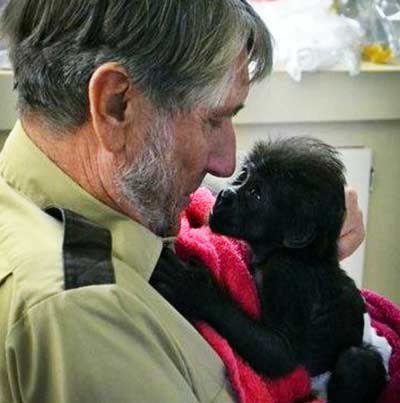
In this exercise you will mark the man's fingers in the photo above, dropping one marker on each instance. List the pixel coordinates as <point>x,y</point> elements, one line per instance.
<point>354,214</point>
<point>349,243</point>
<point>351,197</point>
<point>353,231</point>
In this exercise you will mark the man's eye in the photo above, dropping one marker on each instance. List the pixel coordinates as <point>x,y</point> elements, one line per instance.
<point>212,124</point>
<point>215,123</point>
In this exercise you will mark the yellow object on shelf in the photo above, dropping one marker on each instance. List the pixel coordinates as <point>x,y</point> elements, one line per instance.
<point>376,53</point>
<point>335,6</point>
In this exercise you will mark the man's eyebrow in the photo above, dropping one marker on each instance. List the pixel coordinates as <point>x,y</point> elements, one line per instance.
<point>228,112</point>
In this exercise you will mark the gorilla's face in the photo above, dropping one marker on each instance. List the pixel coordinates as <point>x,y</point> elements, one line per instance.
<point>289,194</point>
<point>243,210</point>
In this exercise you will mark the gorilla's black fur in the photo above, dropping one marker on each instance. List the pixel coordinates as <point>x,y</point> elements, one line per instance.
<point>288,203</point>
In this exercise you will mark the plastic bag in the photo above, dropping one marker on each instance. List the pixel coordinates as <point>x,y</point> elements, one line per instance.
<point>379,18</point>
<point>310,36</point>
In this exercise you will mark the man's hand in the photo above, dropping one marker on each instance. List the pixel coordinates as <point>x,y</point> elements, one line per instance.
<point>353,231</point>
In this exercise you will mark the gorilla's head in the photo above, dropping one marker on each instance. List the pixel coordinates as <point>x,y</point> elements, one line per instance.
<point>288,194</point>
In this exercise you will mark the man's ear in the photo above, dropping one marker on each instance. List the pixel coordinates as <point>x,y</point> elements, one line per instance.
<point>111,95</point>
<point>300,228</point>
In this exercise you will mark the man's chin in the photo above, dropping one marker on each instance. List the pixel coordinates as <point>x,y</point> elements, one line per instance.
<point>167,230</point>
<point>174,229</point>
<point>184,202</point>
<point>173,226</point>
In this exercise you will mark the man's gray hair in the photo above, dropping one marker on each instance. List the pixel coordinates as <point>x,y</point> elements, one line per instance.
<point>177,52</point>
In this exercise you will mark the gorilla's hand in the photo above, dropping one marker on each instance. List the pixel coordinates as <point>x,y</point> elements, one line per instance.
<point>188,286</point>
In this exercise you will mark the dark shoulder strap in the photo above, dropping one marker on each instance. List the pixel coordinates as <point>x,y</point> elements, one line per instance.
<point>86,250</point>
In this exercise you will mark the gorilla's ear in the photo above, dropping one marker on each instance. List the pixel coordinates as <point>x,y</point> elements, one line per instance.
<point>299,238</point>
<point>300,228</point>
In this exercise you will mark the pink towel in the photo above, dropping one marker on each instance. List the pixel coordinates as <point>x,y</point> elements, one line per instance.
<point>227,260</point>
<point>386,320</point>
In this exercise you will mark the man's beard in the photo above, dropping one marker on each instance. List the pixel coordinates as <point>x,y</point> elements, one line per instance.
<point>149,183</point>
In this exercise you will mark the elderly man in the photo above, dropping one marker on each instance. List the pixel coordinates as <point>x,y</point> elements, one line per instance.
<point>125,105</point>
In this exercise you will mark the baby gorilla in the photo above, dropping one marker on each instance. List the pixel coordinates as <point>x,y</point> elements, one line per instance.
<point>288,203</point>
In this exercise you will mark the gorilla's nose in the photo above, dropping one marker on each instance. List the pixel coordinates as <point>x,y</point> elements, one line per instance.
<point>226,197</point>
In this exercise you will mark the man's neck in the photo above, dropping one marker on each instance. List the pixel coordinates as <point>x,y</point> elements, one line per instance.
<point>79,155</point>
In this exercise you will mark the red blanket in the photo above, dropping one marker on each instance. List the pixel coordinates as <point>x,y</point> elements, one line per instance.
<point>227,260</point>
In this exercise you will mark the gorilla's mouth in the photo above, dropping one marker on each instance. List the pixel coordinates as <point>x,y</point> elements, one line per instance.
<point>223,218</point>
<point>214,222</point>
<point>220,221</point>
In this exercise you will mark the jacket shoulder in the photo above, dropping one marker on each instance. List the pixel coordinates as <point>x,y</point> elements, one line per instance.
<point>30,247</point>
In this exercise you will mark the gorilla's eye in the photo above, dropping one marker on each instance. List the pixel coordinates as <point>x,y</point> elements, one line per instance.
<point>255,192</point>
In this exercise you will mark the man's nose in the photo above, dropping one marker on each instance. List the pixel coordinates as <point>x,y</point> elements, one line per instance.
<point>222,159</point>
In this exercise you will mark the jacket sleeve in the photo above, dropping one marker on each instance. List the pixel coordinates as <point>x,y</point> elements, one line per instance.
<point>80,347</point>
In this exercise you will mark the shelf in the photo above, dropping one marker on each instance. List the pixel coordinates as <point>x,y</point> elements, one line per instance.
<point>322,96</point>
<point>325,96</point>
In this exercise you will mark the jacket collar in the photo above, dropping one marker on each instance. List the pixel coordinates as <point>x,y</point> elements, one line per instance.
<point>28,170</point>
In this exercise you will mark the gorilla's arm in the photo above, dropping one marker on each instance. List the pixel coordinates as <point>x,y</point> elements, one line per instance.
<point>190,288</point>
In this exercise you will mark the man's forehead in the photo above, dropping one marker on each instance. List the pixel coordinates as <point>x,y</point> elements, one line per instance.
<point>239,90</point>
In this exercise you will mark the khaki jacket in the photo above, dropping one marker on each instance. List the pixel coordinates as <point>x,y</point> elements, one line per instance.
<point>114,341</point>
